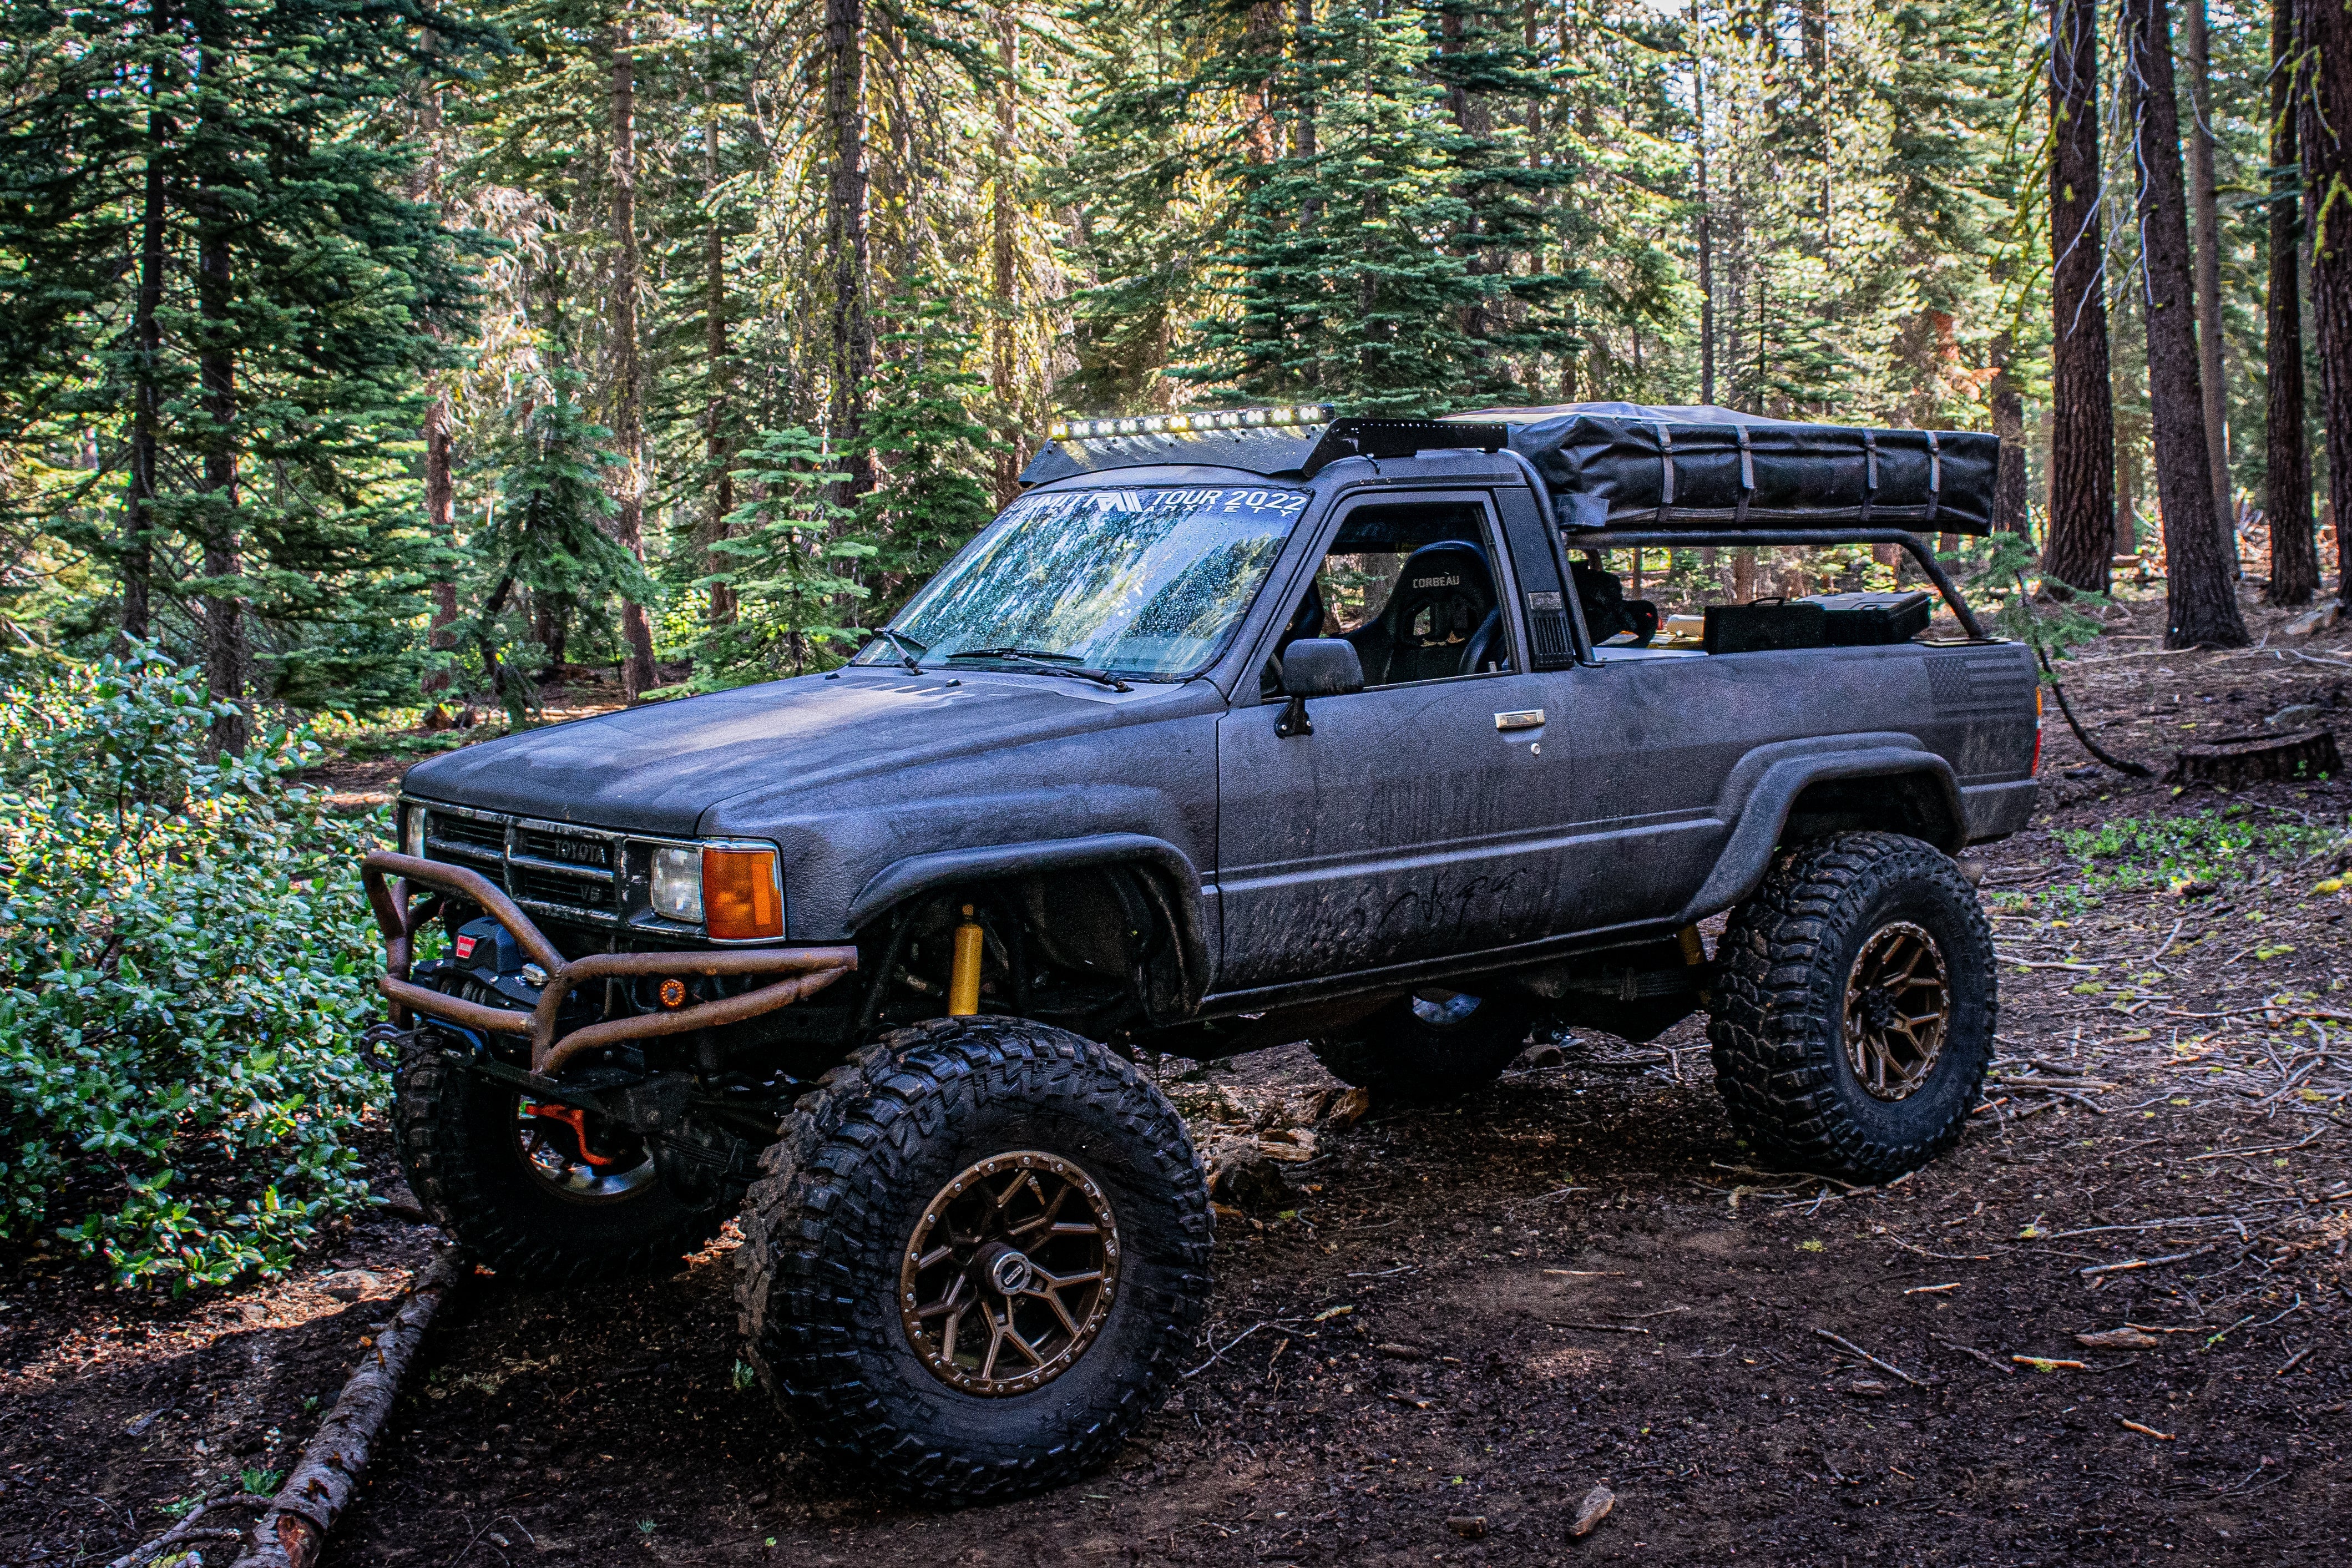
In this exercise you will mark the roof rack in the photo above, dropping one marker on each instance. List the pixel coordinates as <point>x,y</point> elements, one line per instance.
<point>1376,438</point>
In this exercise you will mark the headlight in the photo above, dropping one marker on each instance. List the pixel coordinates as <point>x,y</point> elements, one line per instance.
<point>678,884</point>
<point>411,830</point>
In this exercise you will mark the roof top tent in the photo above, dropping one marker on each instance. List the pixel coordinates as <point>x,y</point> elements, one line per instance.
<point>1625,464</point>
<point>1616,474</point>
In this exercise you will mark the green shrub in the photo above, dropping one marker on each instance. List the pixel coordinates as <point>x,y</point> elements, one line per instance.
<point>2196,850</point>
<point>185,968</point>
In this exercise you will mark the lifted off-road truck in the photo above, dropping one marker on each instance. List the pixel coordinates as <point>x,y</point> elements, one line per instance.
<point>1234,728</point>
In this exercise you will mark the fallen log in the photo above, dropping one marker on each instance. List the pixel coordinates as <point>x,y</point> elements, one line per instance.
<point>294,1530</point>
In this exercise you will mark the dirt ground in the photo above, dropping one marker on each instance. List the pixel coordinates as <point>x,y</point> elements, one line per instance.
<point>1465,1319</point>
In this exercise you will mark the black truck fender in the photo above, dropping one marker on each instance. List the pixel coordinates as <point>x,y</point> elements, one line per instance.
<point>1922,797</point>
<point>1172,870</point>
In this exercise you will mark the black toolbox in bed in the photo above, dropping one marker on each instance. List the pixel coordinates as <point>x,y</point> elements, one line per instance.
<point>1764,627</point>
<point>1872,620</point>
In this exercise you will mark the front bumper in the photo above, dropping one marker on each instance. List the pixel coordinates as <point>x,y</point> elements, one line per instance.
<point>809,969</point>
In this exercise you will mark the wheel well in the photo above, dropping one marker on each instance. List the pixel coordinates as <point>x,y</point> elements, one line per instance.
<point>1100,948</point>
<point>1909,803</point>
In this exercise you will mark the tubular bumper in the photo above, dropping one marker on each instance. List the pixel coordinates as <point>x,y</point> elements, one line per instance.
<point>810,968</point>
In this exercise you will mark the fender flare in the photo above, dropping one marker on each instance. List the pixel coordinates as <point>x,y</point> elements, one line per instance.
<point>919,874</point>
<point>1760,811</point>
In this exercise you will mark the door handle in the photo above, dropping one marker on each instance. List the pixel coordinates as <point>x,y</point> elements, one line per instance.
<point>1524,718</point>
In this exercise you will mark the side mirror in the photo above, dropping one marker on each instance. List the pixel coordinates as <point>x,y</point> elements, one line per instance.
<point>1316,667</point>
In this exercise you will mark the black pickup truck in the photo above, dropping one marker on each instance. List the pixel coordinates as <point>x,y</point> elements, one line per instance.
<point>1236,729</point>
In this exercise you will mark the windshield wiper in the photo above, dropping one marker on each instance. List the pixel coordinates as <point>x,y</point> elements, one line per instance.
<point>1037,660</point>
<point>1012,650</point>
<point>902,642</point>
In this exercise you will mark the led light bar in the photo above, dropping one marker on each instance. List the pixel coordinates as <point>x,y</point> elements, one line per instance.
<point>1190,423</point>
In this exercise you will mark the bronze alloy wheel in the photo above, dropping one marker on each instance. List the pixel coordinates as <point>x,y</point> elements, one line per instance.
<point>1009,1273</point>
<point>1898,1005</point>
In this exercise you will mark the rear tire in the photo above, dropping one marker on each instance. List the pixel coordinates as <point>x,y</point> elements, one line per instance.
<point>1430,1048</point>
<point>922,1147</point>
<point>468,1152</point>
<point>1855,1002</point>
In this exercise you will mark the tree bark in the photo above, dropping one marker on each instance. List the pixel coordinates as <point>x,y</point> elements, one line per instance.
<point>440,514</point>
<point>2295,553</point>
<point>2207,210</point>
<point>136,568</point>
<point>2009,491</point>
<point>2200,604</point>
<point>845,239</point>
<point>441,523</point>
<point>1476,120</point>
<point>2324,122</point>
<point>1003,204</point>
<point>718,367</point>
<point>1303,132</point>
<point>333,1465</point>
<point>1706,219</point>
<point>628,374</point>
<point>2082,425</point>
<point>223,610</point>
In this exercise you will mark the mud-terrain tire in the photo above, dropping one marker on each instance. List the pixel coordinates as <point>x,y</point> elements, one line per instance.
<point>1792,968</point>
<point>1422,1049</point>
<point>460,1145</point>
<point>869,1157</point>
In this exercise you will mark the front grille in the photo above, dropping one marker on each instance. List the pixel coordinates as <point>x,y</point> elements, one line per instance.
<point>564,848</point>
<point>548,868</point>
<point>474,831</point>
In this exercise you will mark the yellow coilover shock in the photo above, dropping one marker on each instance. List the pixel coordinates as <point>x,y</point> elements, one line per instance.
<point>963,981</point>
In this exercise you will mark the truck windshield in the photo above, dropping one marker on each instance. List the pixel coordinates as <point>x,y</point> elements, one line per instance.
<point>1139,581</point>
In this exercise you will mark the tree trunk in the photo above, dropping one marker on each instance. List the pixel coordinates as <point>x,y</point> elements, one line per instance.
<point>1476,121</point>
<point>845,238</point>
<point>628,374</point>
<point>2082,424</point>
<point>440,520</point>
<point>2294,553</point>
<point>1706,223</point>
<point>137,565</point>
<point>2200,604</point>
<point>1004,199</point>
<point>441,523</point>
<point>2207,210</point>
<point>223,610</point>
<point>1303,133</point>
<point>2324,121</point>
<point>2009,492</point>
<point>718,369</point>
<point>1262,48</point>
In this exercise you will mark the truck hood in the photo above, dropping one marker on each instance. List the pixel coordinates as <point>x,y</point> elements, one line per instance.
<point>660,768</point>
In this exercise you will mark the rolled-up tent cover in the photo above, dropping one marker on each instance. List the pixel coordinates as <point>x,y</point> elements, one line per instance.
<point>1624,465</point>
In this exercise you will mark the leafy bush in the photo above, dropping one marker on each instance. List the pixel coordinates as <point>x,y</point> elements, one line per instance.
<point>185,967</point>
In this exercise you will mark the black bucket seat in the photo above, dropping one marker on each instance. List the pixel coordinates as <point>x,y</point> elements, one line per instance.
<point>1442,619</point>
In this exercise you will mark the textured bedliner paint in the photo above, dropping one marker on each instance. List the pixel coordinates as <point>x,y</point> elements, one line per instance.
<point>1407,837</point>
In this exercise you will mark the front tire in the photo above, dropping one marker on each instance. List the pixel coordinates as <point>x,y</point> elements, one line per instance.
<point>979,1255</point>
<point>1855,1002</point>
<point>1429,1048</point>
<point>518,1191</point>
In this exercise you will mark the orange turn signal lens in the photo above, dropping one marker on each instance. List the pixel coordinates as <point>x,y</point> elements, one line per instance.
<point>740,898</point>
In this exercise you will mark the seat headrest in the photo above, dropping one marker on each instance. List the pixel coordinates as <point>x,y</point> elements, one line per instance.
<point>1453,571</point>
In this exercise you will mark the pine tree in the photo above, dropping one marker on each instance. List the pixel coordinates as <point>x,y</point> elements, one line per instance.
<point>246,390</point>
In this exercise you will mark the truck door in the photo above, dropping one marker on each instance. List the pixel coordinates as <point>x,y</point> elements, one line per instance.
<point>1407,825</point>
<point>1644,747</point>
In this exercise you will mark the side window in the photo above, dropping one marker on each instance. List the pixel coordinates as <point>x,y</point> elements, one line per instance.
<point>1415,587</point>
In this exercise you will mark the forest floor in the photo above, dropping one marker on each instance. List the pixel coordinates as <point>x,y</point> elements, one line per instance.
<point>1479,1313</point>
